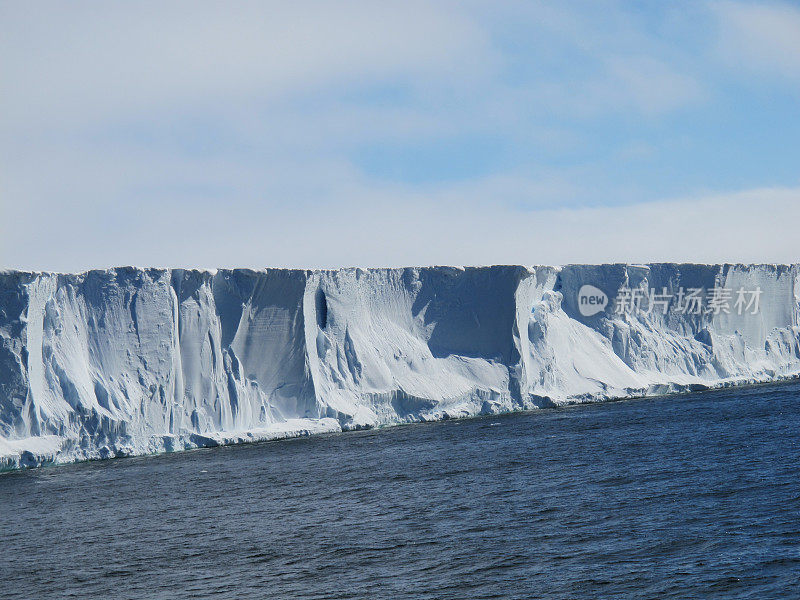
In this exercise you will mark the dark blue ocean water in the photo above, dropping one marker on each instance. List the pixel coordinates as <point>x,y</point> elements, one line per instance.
<point>694,496</point>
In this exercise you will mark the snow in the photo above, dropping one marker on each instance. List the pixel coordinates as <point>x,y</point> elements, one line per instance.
<point>132,361</point>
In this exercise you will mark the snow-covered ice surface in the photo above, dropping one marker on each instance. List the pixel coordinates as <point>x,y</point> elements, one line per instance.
<point>132,361</point>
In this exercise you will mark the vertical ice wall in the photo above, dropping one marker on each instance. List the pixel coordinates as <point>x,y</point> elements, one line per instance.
<point>409,343</point>
<point>140,360</point>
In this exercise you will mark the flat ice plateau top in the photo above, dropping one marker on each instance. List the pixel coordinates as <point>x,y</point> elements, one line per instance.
<point>131,361</point>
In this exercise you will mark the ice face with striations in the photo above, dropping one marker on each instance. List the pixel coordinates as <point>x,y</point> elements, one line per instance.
<point>131,361</point>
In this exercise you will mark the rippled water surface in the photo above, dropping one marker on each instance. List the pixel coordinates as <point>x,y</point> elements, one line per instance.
<point>693,496</point>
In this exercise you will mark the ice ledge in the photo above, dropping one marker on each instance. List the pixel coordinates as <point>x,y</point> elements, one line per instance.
<point>53,450</point>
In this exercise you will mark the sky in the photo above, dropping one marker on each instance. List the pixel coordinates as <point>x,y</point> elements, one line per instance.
<point>330,134</point>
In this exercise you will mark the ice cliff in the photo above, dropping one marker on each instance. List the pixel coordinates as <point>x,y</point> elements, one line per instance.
<point>130,361</point>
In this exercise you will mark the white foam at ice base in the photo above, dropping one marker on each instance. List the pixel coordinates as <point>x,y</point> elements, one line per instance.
<point>131,361</point>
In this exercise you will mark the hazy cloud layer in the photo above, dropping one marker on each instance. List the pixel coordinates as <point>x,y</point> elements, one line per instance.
<point>324,134</point>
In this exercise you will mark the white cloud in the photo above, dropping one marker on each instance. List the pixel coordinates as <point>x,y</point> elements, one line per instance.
<point>188,133</point>
<point>93,60</point>
<point>69,65</point>
<point>651,85</point>
<point>336,218</point>
<point>760,37</point>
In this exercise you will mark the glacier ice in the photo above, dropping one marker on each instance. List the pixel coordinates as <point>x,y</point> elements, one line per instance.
<point>131,361</point>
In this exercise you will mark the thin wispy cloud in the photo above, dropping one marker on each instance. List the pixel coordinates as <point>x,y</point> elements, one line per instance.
<point>760,38</point>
